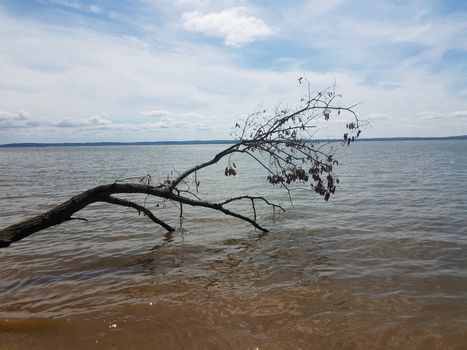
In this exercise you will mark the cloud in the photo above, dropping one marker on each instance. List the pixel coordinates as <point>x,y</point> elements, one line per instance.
<point>389,84</point>
<point>182,120</point>
<point>155,85</point>
<point>157,113</point>
<point>18,120</point>
<point>21,115</point>
<point>435,117</point>
<point>92,122</point>
<point>98,120</point>
<point>234,25</point>
<point>375,117</point>
<point>95,9</point>
<point>23,120</point>
<point>164,120</point>
<point>460,114</point>
<point>67,3</point>
<point>76,5</point>
<point>374,36</point>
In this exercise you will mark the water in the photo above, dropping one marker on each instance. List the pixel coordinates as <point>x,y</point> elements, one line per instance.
<point>381,265</point>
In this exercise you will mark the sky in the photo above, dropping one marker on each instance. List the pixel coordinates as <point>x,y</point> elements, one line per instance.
<point>149,70</point>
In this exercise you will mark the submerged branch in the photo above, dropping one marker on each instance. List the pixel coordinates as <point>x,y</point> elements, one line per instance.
<point>139,208</point>
<point>64,211</point>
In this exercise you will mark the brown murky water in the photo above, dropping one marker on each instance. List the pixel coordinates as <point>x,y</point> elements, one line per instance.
<point>376,268</point>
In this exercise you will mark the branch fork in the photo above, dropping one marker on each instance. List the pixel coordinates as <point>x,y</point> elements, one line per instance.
<point>281,142</point>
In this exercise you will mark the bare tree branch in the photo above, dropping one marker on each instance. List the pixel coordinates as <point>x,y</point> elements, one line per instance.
<point>80,219</point>
<point>281,142</point>
<point>252,198</point>
<point>139,208</point>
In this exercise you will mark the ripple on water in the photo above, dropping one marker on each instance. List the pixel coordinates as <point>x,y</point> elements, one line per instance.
<point>381,265</point>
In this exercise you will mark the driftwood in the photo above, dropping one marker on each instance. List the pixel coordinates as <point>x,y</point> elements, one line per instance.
<point>280,141</point>
<point>64,212</point>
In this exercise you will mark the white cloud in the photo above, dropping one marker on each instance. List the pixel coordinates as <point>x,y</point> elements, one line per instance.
<point>438,116</point>
<point>91,122</point>
<point>389,32</point>
<point>77,5</point>
<point>64,74</point>
<point>20,115</point>
<point>4,116</point>
<point>21,119</point>
<point>460,114</point>
<point>308,11</point>
<point>102,126</point>
<point>193,2</point>
<point>95,9</point>
<point>388,84</point>
<point>435,117</point>
<point>234,25</point>
<point>97,120</point>
<point>376,117</point>
<point>374,35</point>
<point>157,113</point>
<point>67,3</point>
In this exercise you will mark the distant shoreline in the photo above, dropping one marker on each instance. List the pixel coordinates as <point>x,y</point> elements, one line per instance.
<point>205,142</point>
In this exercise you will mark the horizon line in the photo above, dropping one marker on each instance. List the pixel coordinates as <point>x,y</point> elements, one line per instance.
<point>221,141</point>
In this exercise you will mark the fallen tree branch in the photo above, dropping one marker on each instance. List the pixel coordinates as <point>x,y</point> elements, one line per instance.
<point>280,143</point>
<point>252,198</point>
<point>139,208</point>
<point>63,212</point>
<point>79,219</point>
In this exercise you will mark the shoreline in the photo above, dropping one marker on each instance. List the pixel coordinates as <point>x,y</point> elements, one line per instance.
<point>210,142</point>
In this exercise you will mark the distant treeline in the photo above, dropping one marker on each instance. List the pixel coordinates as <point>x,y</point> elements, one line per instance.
<point>141,143</point>
<point>423,138</point>
<point>209,142</point>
